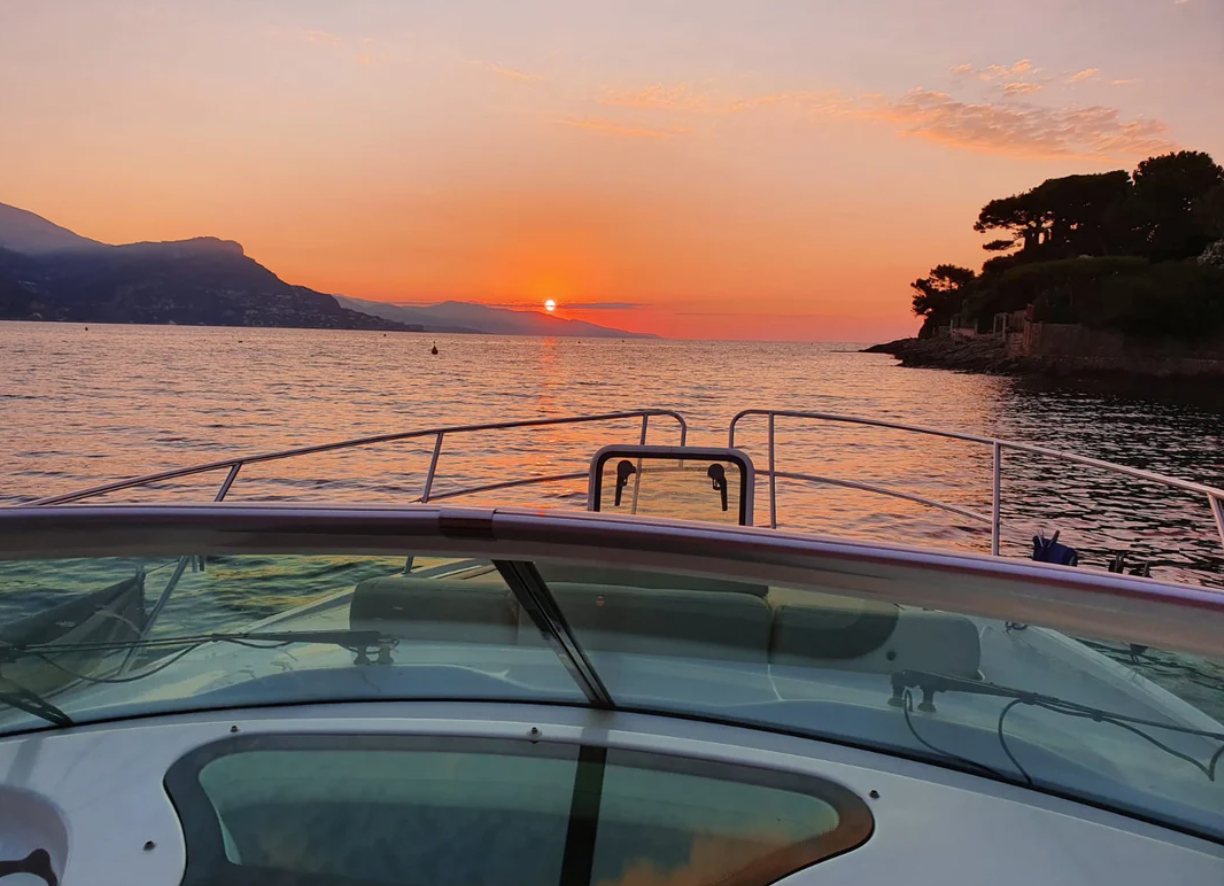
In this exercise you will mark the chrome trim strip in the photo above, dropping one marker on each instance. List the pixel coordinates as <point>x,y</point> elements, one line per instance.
<point>1076,601</point>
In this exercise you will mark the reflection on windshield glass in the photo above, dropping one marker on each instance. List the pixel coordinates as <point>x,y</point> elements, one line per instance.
<point>1129,726</point>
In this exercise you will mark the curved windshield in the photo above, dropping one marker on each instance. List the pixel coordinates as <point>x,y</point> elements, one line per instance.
<point>1132,727</point>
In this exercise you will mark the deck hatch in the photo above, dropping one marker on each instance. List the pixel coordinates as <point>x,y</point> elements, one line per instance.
<point>300,810</point>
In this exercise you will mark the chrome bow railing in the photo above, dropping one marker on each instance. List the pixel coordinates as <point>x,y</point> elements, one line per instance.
<point>233,466</point>
<point>1214,496</point>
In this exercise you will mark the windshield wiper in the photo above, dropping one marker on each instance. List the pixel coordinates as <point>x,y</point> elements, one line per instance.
<point>931,683</point>
<point>18,696</point>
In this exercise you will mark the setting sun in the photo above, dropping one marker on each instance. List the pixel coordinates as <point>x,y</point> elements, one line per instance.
<point>550,306</point>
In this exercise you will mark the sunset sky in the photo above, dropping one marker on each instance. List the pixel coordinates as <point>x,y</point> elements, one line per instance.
<point>694,168</point>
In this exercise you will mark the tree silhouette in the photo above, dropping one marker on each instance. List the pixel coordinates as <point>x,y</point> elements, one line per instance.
<point>1162,212</point>
<point>1060,218</point>
<point>939,295</point>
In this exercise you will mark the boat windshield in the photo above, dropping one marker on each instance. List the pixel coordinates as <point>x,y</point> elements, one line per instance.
<point>1106,720</point>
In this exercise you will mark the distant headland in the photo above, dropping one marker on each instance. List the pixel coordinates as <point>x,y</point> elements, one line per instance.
<point>50,273</point>
<point>1113,272</point>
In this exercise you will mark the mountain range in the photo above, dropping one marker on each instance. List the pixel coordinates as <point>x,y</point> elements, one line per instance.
<point>48,272</point>
<point>466,316</point>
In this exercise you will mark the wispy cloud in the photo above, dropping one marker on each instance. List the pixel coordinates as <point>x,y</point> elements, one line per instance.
<point>1086,74</point>
<point>322,37</point>
<point>1004,124</point>
<point>1022,129</point>
<point>628,130</point>
<point>684,98</point>
<point>1122,82</point>
<point>360,50</point>
<point>507,73</point>
<point>1021,88</point>
<point>997,72</point>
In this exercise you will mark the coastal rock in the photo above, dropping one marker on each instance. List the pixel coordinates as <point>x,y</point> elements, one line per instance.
<point>979,354</point>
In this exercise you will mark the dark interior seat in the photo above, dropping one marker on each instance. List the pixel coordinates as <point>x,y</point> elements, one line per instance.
<point>436,610</point>
<point>875,637</point>
<point>663,621</point>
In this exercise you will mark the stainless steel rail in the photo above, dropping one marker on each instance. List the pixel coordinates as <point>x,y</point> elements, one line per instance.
<point>1215,497</point>
<point>234,465</point>
<point>1076,601</point>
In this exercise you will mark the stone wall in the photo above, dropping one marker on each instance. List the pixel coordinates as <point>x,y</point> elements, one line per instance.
<point>1073,348</point>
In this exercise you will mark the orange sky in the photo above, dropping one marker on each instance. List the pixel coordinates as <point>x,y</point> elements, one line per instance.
<point>713,169</point>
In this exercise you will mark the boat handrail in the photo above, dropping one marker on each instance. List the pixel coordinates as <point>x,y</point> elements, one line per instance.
<point>234,465</point>
<point>1215,497</point>
<point>1080,602</point>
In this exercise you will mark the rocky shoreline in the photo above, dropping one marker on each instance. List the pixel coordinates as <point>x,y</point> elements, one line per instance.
<point>982,354</point>
<point>988,354</point>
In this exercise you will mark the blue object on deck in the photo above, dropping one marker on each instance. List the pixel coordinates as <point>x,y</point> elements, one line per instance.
<point>1048,550</point>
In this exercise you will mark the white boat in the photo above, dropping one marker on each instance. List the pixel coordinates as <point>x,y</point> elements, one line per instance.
<point>653,692</point>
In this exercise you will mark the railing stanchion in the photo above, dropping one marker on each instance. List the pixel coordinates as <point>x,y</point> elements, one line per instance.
<point>228,481</point>
<point>773,478</point>
<point>1217,511</point>
<point>645,423</point>
<point>433,466</point>
<point>996,497</point>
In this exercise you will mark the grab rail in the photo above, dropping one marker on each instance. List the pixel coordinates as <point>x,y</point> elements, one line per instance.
<point>439,434</point>
<point>1215,497</point>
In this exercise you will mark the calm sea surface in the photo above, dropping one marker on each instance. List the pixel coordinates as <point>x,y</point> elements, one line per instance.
<point>85,405</point>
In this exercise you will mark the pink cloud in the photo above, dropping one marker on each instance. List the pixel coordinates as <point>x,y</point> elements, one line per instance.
<point>321,37</point>
<point>996,72</point>
<point>1019,129</point>
<point>1021,88</point>
<point>628,130</point>
<point>682,98</point>
<point>503,72</point>
<point>512,74</point>
<point>1002,125</point>
<point>1086,74</point>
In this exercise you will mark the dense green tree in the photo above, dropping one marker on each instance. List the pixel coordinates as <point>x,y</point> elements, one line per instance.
<point>1164,211</point>
<point>1060,218</point>
<point>1017,216</point>
<point>939,295</point>
<point>1108,250</point>
<point>1209,210</point>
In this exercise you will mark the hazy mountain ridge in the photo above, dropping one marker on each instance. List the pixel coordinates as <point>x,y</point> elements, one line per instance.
<point>23,231</point>
<point>458,316</point>
<point>47,272</point>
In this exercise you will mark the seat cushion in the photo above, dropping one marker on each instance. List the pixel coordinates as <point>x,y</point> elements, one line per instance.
<point>880,638</point>
<point>662,621</point>
<point>436,609</point>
